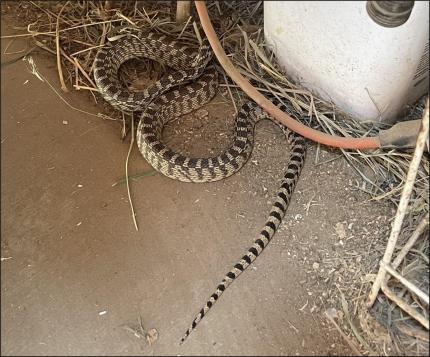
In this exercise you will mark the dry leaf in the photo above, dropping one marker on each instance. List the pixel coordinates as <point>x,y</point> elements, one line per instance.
<point>152,336</point>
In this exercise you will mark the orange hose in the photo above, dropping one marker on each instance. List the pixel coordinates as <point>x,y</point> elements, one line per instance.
<point>267,105</point>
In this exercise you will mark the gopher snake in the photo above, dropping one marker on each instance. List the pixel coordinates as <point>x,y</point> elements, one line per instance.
<point>172,97</point>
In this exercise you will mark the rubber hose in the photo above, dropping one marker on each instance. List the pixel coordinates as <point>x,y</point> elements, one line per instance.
<point>267,105</point>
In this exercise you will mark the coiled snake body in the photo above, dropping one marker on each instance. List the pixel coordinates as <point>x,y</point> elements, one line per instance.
<point>193,84</point>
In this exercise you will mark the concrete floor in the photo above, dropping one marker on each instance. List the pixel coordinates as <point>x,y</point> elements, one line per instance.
<point>75,271</point>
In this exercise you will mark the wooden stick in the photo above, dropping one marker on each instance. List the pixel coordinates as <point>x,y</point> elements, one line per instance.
<point>57,44</point>
<point>411,241</point>
<point>231,95</point>
<point>182,11</point>
<point>78,65</point>
<point>413,332</point>
<point>79,87</point>
<point>133,214</point>
<point>403,205</point>
<point>412,287</point>
<point>404,306</point>
<point>35,33</point>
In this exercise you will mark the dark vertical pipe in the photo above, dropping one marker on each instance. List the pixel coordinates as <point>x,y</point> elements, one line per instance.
<point>389,13</point>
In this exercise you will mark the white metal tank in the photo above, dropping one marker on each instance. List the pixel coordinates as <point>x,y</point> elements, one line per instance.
<point>369,67</point>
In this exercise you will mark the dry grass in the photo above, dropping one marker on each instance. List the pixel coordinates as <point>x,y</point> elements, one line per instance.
<point>74,31</point>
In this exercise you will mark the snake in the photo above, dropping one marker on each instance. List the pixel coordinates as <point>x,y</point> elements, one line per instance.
<point>191,84</point>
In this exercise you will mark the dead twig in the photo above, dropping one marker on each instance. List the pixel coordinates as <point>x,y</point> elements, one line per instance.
<point>57,43</point>
<point>126,173</point>
<point>403,205</point>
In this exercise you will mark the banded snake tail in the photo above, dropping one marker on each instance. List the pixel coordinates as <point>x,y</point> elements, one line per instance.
<point>277,212</point>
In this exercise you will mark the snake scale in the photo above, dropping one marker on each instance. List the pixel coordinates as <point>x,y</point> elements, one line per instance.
<point>192,84</point>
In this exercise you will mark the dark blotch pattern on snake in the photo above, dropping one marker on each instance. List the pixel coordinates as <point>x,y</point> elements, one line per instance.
<point>193,84</point>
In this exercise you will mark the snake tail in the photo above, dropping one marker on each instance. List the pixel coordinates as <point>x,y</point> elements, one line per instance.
<point>276,214</point>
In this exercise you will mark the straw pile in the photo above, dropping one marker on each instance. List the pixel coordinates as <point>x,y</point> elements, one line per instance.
<point>74,31</point>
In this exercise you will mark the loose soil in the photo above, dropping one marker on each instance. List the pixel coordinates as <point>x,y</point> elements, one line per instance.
<point>76,276</point>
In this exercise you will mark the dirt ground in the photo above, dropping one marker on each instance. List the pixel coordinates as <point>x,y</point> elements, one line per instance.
<point>76,276</point>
